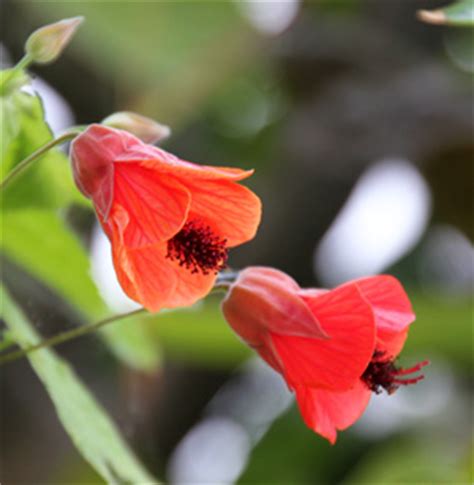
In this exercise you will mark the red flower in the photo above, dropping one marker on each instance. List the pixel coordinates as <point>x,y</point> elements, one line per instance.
<point>170,222</point>
<point>333,348</point>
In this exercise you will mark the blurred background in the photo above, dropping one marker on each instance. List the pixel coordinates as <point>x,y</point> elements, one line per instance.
<point>358,120</point>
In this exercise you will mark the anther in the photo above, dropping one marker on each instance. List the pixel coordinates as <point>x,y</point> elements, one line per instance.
<point>384,374</point>
<point>198,249</point>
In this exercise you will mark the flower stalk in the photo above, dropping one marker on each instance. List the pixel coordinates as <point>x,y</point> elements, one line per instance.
<point>222,284</point>
<point>66,336</point>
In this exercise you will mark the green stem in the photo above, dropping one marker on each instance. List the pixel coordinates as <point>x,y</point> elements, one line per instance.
<point>23,63</point>
<point>68,335</point>
<point>222,284</point>
<point>69,135</point>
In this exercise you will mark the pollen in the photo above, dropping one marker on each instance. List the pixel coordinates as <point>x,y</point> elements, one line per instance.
<point>382,373</point>
<point>197,248</point>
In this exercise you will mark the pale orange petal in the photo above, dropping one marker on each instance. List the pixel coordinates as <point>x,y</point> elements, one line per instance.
<point>150,278</point>
<point>190,287</point>
<point>158,159</point>
<point>231,210</point>
<point>157,205</point>
<point>145,274</point>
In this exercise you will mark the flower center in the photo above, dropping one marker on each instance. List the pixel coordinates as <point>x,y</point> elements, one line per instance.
<point>384,374</point>
<point>198,249</point>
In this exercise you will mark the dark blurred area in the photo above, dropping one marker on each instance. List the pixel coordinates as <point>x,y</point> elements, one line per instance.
<point>358,120</point>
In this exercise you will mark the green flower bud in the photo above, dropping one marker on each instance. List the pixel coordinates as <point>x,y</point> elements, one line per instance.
<point>146,129</point>
<point>46,44</point>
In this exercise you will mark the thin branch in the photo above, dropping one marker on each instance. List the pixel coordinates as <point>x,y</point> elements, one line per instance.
<point>222,284</point>
<point>68,335</point>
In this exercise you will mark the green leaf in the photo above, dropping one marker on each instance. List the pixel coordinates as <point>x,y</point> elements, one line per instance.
<point>458,14</point>
<point>90,428</point>
<point>9,130</point>
<point>11,80</point>
<point>39,241</point>
<point>48,181</point>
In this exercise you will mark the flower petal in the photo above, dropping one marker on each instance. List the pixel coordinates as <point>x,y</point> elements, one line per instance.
<point>158,159</point>
<point>190,287</point>
<point>92,156</point>
<point>231,210</point>
<point>149,277</point>
<point>325,412</point>
<point>145,274</point>
<point>268,275</point>
<point>121,146</point>
<point>157,205</point>
<point>265,299</point>
<point>335,363</point>
<point>391,342</point>
<point>268,354</point>
<point>390,303</point>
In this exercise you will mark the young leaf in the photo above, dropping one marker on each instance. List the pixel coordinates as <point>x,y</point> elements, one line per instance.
<point>48,182</point>
<point>460,13</point>
<point>90,428</point>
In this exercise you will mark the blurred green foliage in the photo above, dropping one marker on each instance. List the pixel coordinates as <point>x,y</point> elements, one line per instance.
<point>198,335</point>
<point>88,425</point>
<point>39,241</point>
<point>405,460</point>
<point>175,54</point>
<point>443,327</point>
<point>460,13</point>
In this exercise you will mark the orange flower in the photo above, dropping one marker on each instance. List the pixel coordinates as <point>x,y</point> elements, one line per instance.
<point>334,348</point>
<point>170,222</point>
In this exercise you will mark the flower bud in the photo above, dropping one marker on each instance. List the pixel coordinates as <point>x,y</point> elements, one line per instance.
<point>146,129</point>
<point>46,43</point>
